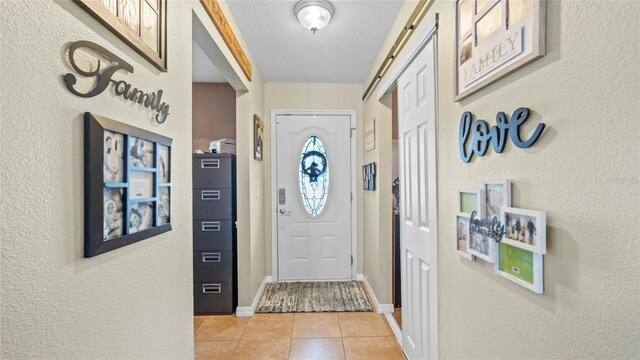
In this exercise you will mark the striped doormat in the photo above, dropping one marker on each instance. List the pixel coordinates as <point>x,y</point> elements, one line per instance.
<point>316,296</point>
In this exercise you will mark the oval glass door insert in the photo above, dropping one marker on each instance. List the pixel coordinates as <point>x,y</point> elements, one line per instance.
<point>314,176</point>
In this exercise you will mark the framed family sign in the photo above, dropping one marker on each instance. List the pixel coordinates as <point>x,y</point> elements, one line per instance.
<point>127,184</point>
<point>140,23</point>
<point>494,38</point>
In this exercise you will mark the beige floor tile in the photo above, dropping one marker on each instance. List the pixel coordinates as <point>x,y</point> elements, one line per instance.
<point>288,316</point>
<point>218,350</point>
<point>316,325</point>
<point>219,328</point>
<point>264,349</point>
<point>316,349</point>
<point>269,326</point>
<point>197,321</point>
<point>363,324</point>
<point>372,348</point>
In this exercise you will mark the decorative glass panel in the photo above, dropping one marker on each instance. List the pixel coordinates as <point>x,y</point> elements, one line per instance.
<point>314,176</point>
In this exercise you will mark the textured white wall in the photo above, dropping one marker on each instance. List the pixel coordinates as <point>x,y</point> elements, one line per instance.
<point>131,303</point>
<point>584,171</point>
<point>309,96</point>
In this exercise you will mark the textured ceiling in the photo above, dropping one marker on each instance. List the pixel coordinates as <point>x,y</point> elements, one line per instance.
<point>343,52</point>
<point>203,69</point>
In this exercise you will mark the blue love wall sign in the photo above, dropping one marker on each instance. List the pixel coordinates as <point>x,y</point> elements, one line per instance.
<point>482,134</point>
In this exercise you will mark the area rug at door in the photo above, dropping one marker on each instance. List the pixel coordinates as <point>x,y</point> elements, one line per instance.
<point>316,296</point>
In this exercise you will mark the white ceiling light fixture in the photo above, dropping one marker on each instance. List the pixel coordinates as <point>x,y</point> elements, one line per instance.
<point>314,14</point>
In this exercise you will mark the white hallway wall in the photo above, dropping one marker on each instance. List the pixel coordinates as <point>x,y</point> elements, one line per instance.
<point>135,302</point>
<point>584,171</point>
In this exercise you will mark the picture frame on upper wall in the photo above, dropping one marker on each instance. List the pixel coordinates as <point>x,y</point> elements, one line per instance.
<point>258,137</point>
<point>495,38</point>
<point>523,267</point>
<point>497,196</point>
<point>470,200</point>
<point>127,184</point>
<point>525,229</point>
<point>462,236</point>
<point>370,136</point>
<point>142,24</point>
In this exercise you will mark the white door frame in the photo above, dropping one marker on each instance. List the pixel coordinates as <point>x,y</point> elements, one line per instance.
<point>428,33</point>
<point>274,183</point>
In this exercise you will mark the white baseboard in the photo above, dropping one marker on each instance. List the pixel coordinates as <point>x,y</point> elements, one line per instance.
<point>248,311</point>
<point>382,308</point>
<point>394,326</point>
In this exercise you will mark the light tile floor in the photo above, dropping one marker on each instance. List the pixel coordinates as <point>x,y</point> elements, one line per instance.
<point>308,336</point>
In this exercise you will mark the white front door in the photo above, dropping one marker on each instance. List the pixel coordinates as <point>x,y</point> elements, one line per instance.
<point>417,153</point>
<point>313,186</point>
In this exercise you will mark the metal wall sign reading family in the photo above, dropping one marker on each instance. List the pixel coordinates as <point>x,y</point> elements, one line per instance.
<point>121,88</point>
<point>481,134</point>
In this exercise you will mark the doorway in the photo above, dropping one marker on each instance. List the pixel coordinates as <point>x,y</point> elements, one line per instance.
<point>313,177</point>
<point>396,271</point>
<point>415,83</point>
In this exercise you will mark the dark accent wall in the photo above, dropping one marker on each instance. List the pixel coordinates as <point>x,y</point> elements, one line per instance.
<point>214,113</point>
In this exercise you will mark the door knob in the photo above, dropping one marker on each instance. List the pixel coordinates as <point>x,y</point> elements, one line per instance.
<point>285,212</point>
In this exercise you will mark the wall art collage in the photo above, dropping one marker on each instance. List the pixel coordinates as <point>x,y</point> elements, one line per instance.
<point>513,239</point>
<point>127,184</point>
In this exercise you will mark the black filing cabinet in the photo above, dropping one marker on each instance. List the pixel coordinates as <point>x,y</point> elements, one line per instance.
<point>215,264</point>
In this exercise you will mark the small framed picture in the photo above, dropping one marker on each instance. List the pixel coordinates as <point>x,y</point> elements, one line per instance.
<point>521,266</point>
<point>141,185</point>
<point>372,176</point>
<point>164,206</point>
<point>365,177</point>
<point>370,136</point>
<point>490,23</point>
<point>471,200</point>
<point>481,245</point>
<point>140,216</point>
<point>113,220</point>
<point>141,153</point>
<point>525,229</point>
<point>258,137</point>
<point>462,236</point>
<point>497,196</point>
<point>164,164</point>
<point>113,163</point>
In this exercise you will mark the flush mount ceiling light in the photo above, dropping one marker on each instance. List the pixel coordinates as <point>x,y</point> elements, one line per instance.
<point>314,14</point>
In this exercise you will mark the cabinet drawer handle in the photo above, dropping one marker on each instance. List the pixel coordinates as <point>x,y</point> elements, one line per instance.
<point>211,226</point>
<point>211,288</point>
<point>210,164</point>
<point>211,257</point>
<point>210,194</point>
